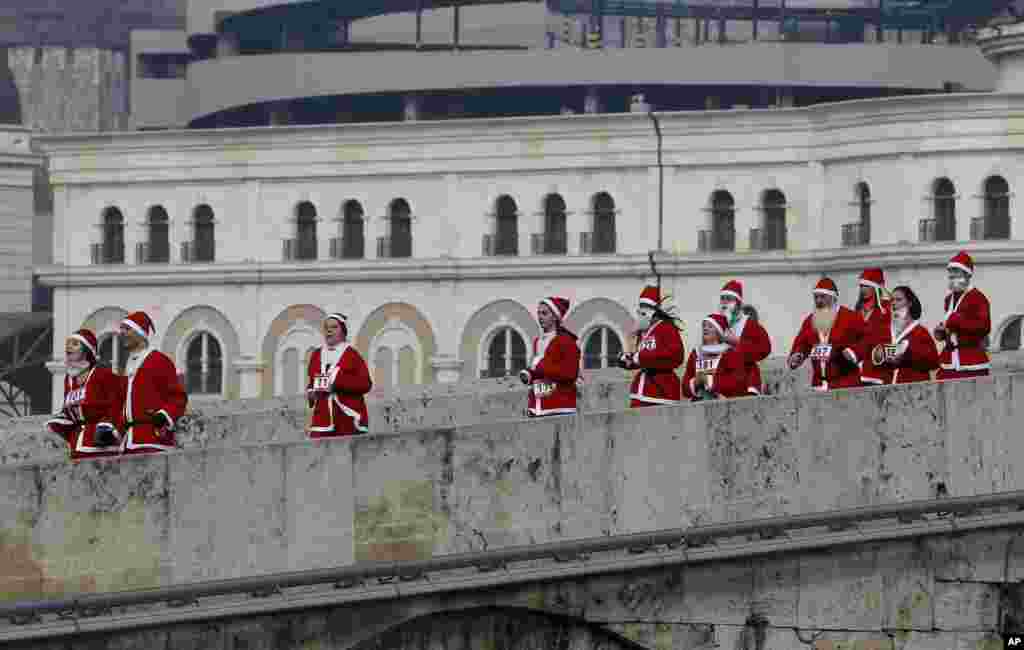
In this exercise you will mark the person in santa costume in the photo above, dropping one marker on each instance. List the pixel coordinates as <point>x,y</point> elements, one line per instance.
<point>873,306</point>
<point>659,351</point>
<point>716,368</point>
<point>831,337</point>
<point>555,365</point>
<point>92,401</point>
<point>909,353</point>
<point>742,328</point>
<point>966,323</point>
<point>338,383</point>
<point>154,398</point>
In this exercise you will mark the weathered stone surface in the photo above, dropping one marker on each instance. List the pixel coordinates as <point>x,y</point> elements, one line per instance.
<point>965,605</point>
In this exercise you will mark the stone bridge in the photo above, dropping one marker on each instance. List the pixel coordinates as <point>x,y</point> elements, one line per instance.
<point>231,506</point>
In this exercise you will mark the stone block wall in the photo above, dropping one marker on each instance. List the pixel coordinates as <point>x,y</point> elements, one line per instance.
<point>245,509</point>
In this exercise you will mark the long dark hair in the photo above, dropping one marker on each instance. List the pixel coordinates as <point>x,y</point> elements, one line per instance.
<point>915,310</point>
<point>560,329</point>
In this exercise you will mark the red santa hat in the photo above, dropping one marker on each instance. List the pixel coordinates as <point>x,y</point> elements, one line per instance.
<point>141,323</point>
<point>963,262</point>
<point>558,305</point>
<point>732,289</point>
<point>650,297</point>
<point>874,278</point>
<point>718,321</point>
<point>826,287</point>
<point>88,339</point>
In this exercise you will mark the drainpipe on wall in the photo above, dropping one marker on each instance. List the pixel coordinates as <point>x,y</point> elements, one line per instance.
<point>661,194</point>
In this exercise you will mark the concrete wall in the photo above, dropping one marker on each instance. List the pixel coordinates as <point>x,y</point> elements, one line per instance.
<point>17,165</point>
<point>249,509</point>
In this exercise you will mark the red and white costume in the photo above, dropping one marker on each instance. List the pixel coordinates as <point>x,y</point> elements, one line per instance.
<point>919,358</point>
<point>755,344</point>
<point>877,323</point>
<point>725,365</point>
<point>967,321</point>
<point>341,411</point>
<point>829,365</point>
<point>554,367</point>
<point>91,398</point>
<point>659,353</point>
<point>152,391</point>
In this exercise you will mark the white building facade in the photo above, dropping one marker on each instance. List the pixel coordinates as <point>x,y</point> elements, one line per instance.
<point>437,239</point>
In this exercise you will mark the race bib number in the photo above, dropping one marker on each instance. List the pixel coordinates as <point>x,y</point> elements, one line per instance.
<point>707,365</point>
<point>647,344</point>
<point>322,383</point>
<point>890,352</point>
<point>543,389</point>
<point>75,397</point>
<point>821,352</point>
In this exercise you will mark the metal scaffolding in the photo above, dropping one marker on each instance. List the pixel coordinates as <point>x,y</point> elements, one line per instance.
<point>26,339</point>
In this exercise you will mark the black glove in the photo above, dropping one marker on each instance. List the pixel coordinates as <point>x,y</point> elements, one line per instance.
<point>161,421</point>
<point>525,376</point>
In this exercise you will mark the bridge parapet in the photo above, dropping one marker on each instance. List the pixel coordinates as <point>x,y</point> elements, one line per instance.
<point>236,511</point>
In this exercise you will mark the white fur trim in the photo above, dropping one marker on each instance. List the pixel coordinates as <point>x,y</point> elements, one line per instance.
<point>826,292</point>
<point>731,294</point>
<point>754,391</point>
<point>653,400</point>
<point>958,265</point>
<point>554,309</point>
<point>562,411</point>
<point>979,366</point>
<point>84,341</point>
<point>134,326</point>
<point>721,332</point>
<point>338,317</point>
<point>871,380</point>
<point>853,354</point>
<point>648,302</point>
<point>869,283</point>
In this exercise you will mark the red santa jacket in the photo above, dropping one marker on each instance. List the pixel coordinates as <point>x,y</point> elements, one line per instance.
<point>342,411</point>
<point>659,353</point>
<point>554,371</point>
<point>968,321</point>
<point>829,365</point>
<point>876,332</point>
<point>152,387</point>
<point>728,369</point>
<point>90,399</point>
<point>755,346</point>
<point>920,355</point>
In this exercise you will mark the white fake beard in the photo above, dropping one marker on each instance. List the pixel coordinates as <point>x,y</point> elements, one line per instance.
<point>824,319</point>
<point>76,368</point>
<point>958,285</point>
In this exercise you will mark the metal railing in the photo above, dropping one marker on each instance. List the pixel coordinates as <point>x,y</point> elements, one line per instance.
<point>391,247</point>
<point>298,249</point>
<point>346,249</point>
<point>146,253</point>
<point>548,243</point>
<point>194,252</point>
<point>492,244</point>
<point>692,541</point>
<point>926,230</point>
<point>597,243</point>
<point>101,254</point>
<point>854,234</point>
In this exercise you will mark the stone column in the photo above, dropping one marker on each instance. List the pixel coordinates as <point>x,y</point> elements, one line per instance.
<point>250,376</point>
<point>447,369</point>
<point>57,368</point>
<point>411,105</point>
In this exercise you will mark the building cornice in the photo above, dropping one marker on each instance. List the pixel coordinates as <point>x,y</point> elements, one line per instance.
<point>862,128</point>
<point>530,268</point>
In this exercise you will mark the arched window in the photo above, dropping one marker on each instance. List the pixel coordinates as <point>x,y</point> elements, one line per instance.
<point>159,246</point>
<point>204,365</point>
<point>203,234</point>
<point>384,359</point>
<point>113,352</point>
<point>944,197</point>
<point>554,241</point>
<point>400,220</point>
<point>602,348</point>
<point>113,236</point>
<point>1010,338</point>
<point>506,235</point>
<point>604,224</point>
<point>997,208</point>
<point>773,231</point>
<point>506,353</point>
<point>723,221</point>
<point>305,231</point>
<point>864,212</point>
<point>352,237</point>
